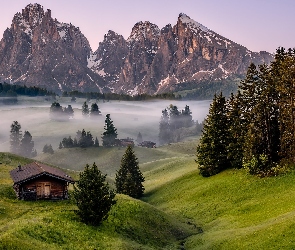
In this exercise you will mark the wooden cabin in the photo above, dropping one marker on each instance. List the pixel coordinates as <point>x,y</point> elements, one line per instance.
<point>36,181</point>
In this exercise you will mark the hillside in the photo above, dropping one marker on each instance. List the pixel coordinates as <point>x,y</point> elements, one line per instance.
<point>180,208</point>
<point>54,225</point>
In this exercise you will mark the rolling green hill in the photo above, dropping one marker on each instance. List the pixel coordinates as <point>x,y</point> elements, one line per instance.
<point>180,208</point>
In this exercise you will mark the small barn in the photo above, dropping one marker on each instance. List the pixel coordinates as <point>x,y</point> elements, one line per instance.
<point>38,181</point>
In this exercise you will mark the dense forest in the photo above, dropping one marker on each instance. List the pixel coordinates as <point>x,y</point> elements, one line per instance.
<point>255,128</point>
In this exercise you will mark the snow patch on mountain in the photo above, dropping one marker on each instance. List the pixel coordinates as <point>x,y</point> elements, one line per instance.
<point>192,24</point>
<point>92,61</point>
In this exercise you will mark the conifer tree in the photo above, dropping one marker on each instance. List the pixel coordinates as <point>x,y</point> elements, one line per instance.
<point>94,111</point>
<point>48,149</point>
<point>262,138</point>
<point>175,118</point>
<point>93,196</point>
<point>186,117</point>
<point>139,138</point>
<point>96,142</point>
<point>110,134</point>
<point>212,149</point>
<point>283,74</point>
<point>165,134</point>
<point>56,111</point>
<point>69,112</point>
<point>236,131</point>
<point>15,137</point>
<point>27,145</point>
<point>85,109</point>
<point>129,178</point>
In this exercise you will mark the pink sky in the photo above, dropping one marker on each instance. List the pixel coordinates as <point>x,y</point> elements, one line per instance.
<point>256,24</point>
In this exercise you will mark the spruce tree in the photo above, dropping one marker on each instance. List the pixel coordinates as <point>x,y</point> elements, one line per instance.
<point>284,77</point>
<point>93,196</point>
<point>212,149</point>
<point>56,111</point>
<point>262,131</point>
<point>236,131</point>
<point>110,134</point>
<point>94,111</point>
<point>165,134</point>
<point>85,109</point>
<point>48,149</point>
<point>96,142</point>
<point>15,137</point>
<point>27,145</point>
<point>186,117</point>
<point>129,178</point>
<point>69,112</point>
<point>139,138</point>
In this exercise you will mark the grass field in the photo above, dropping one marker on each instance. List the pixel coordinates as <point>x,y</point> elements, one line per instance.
<point>180,209</point>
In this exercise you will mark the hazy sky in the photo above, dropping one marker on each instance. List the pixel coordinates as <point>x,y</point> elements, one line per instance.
<point>256,24</point>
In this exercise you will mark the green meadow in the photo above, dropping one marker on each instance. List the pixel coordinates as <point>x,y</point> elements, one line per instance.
<point>180,208</point>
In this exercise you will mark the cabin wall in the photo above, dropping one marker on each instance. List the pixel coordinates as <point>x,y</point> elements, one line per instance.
<point>44,187</point>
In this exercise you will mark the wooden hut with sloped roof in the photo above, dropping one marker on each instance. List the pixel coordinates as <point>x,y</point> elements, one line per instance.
<point>38,181</point>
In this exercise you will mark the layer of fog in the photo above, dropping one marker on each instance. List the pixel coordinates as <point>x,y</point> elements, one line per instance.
<point>129,118</point>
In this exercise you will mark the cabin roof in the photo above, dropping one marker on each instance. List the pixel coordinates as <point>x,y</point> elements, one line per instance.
<point>34,170</point>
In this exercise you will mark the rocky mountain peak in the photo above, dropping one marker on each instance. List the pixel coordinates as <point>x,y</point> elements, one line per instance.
<point>38,50</point>
<point>144,30</point>
<point>30,17</point>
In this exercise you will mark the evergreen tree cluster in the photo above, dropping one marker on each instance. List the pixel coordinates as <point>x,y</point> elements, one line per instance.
<point>93,196</point>
<point>48,149</point>
<point>82,139</point>
<point>255,128</point>
<point>21,144</point>
<point>171,121</point>
<point>92,112</point>
<point>57,112</point>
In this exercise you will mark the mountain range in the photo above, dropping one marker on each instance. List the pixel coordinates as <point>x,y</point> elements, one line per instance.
<point>38,50</point>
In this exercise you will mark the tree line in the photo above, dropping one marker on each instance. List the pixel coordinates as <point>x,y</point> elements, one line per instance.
<point>255,128</point>
<point>173,121</point>
<point>21,144</point>
<point>120,97</point>
<point>85,139</point>
<point>11,90</point>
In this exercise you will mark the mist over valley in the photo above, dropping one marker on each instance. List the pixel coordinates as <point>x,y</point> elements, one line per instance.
<point>129,117</point>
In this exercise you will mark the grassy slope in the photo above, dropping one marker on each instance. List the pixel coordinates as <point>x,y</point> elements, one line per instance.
<point>132,224</point>
<point>234,210</point>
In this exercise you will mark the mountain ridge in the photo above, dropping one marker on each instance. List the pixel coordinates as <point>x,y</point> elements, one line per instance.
<point>38,50</point>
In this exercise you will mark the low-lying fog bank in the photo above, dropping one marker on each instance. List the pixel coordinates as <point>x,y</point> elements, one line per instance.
<point>129,118</point>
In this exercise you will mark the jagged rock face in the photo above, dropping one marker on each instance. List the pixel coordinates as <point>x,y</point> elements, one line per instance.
<point>158,61</point>
<point>108,60</point>
<point>143,45</point>
<point>38,50</point>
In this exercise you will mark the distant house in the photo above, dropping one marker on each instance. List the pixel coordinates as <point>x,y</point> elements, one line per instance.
<point>147,144</point>
<point>38,181</point>
<point>124,142</point>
